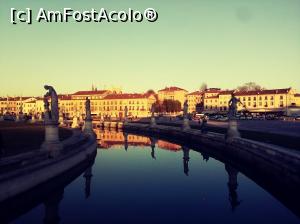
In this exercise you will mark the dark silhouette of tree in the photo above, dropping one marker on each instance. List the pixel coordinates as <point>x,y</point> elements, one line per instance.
<point>168,106</point>
<point>249,86</point>
<point>203,87</point>
<point>150,91</point>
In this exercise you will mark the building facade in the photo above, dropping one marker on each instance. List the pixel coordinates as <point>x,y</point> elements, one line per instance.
<point>172,93</point>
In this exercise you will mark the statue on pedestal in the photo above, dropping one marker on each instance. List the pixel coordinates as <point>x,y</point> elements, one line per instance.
<point>52,142</point>
<point>88,125</point>
<point>232,131</point>
<point>152,119</point>
<point>125,114</point>
<point>88,115</point>
<point>233,102</point>
<point>185,109</point>
<point>53,113</point>
<point>185,124</point>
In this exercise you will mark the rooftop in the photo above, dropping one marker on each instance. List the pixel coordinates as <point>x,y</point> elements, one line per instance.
<point>263,92</point>
<point>195,93</point>
<point>91,92</point>
<point>127,96</point>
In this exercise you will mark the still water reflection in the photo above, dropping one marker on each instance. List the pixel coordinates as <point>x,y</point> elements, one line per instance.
<point>138,179</point>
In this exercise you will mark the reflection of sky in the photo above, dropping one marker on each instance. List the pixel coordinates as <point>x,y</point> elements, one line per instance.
<point>131,186</point>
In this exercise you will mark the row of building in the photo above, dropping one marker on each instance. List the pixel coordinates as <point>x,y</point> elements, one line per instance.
<point>112,103</point>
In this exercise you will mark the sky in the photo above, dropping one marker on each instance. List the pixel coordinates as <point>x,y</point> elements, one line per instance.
<point>221,43</point>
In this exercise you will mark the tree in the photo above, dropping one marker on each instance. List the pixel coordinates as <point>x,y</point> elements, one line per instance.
<point>249,86</point>
<point>203,87</point>
<point>151,91</point>
<point>168,106</point>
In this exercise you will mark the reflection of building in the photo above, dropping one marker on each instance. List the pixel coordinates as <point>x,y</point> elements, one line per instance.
<point>172,93</point>
<point>168,145</point>
<point>109,138</point>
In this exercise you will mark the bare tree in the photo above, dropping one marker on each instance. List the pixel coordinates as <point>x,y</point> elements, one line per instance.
<point>203,87</point>
<point>150,91</point>
<point>249,86</point>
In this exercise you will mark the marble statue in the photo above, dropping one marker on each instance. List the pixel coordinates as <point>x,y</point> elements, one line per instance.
<point>233,102</point>
<point>51,116</point>
<point>152,110</point>
<point>185,124</point>
<point>53,113</point>
<point>232,130</point>
<point>185,109</point>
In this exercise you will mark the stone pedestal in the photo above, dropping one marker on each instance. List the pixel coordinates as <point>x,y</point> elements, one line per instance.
<point>52,143</point>
<point>185,124</point>
<point>88,128</point>
<point>232,131</point>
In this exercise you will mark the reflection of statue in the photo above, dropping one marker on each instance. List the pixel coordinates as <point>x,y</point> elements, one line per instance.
<point>125,140</point>
<point>186,159</point>
<point>53,114</point>
<point>88,109</point>
<point>232,186</point>
<point>52,206</point>
<point>88,179</point>
<point>233,102</point>
<point>153,141</point>
<point>232,131</point>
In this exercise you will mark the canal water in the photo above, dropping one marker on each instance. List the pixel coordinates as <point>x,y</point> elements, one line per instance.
<point>132,182</point>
